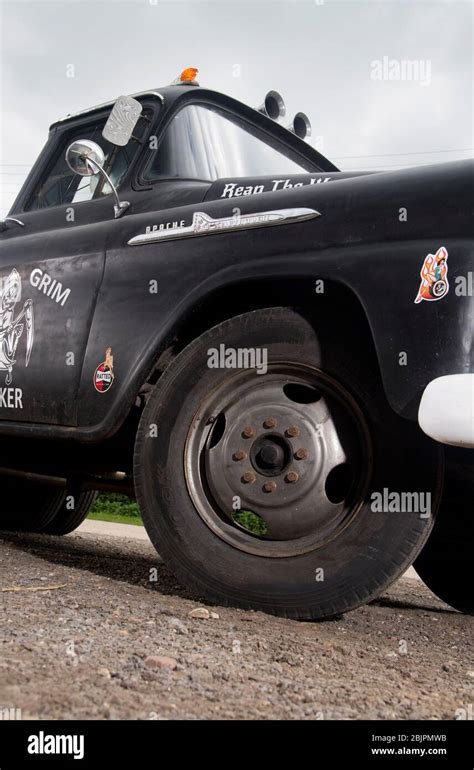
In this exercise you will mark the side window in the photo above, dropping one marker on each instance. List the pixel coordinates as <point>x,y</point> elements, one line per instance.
<point>202,143</point>
<point>60,186</point>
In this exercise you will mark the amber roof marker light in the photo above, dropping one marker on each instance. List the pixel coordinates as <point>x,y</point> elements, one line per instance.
<point>187,77</point>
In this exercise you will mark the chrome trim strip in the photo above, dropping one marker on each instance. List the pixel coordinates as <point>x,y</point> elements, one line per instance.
<point>203,224</point>
<point>71,116</point>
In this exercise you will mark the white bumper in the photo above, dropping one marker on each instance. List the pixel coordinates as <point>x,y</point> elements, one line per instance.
<point>446,410</point>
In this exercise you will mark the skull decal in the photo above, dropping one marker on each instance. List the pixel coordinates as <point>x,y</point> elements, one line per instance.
<point>11,328</point>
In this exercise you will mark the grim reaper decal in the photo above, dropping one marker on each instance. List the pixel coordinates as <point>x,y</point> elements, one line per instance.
<point>11,328</point>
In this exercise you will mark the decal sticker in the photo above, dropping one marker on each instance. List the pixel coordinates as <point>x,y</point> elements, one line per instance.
<point>13,329</point>
<point>104,374</point>
<point>203,224</point>
<point>434,277</point>
<point>235,190</point>
<point>49,286</point>
<point>11,398</point>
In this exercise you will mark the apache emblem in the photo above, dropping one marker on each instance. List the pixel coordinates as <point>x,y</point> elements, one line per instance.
<point>434,277</point>
<point>11,328</point>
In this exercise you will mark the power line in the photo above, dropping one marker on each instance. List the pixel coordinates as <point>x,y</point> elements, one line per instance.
<point>392,165</point>
<point>400,154</point>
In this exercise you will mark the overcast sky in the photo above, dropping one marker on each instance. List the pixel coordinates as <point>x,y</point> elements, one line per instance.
<point>329,58</point>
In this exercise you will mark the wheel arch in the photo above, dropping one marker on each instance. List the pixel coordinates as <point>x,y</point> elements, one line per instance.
<point>337,308</point>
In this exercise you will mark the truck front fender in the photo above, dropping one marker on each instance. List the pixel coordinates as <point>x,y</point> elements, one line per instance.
<point>415,343</point>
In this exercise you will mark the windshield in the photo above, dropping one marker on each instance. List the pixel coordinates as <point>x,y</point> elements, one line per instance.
<point>201,143</point>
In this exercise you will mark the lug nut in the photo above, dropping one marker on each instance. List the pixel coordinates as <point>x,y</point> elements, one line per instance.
<point>249,477</point>
<point>292,431</point>
<point>270,423</point>
<point>269,486</point>
<point>239,455</point>
<point>291,477</point>
<point>301,454</point>
<point>248,432</point>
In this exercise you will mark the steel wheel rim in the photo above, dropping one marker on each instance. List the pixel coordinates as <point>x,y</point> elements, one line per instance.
<point>290,484</point>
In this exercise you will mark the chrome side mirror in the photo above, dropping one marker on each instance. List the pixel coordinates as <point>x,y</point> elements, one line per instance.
<point>87,158</point>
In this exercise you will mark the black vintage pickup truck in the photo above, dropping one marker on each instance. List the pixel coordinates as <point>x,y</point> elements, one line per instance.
<point>275,357</point>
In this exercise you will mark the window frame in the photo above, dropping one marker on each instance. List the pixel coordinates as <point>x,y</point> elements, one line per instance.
<point>268,137</point>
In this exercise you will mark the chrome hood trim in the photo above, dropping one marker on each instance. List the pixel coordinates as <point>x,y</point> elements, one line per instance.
<point>203,224</point>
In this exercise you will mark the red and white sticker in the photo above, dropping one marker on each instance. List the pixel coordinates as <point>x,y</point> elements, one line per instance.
<point>104,374</point>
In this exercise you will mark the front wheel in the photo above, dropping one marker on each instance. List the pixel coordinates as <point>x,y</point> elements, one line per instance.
<point>272,475</point>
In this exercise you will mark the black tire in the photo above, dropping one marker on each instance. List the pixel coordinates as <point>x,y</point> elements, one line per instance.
<point>28,506</point>
<point>446,562</point>
<point>67,519</point>
<point>223,561</point>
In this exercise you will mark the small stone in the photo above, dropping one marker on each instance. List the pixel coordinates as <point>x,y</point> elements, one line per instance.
<point>178,626</point>
<point>200,612</point>
<point>104,672</point>
<point>215,615</point>
<point>160,661</point>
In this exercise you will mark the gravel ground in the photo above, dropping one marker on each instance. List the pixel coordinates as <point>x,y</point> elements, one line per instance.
<point>86,634</point>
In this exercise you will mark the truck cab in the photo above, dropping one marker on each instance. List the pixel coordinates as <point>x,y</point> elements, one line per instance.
<point>199,310</point>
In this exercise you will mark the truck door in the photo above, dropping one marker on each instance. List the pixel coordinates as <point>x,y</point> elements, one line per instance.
<point>51,268</point>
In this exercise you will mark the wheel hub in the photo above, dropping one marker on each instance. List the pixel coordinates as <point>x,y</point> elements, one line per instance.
<point>273,455</point>
<point>270,454</point>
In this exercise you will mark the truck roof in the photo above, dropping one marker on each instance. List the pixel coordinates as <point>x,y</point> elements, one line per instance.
<point>169,94</point>
<point>166,93</point>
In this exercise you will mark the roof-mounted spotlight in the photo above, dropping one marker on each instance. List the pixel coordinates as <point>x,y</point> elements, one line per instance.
<point>301,125</point>
<point>273,106</point>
